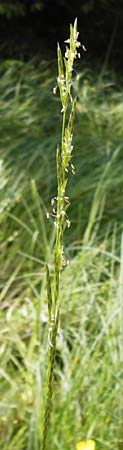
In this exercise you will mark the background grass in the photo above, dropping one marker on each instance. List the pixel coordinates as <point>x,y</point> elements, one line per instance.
<point>88,375</point>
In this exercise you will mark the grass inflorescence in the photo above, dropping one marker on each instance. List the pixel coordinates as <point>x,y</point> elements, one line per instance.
<point>60,205</point>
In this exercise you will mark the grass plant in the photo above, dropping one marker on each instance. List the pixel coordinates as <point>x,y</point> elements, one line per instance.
<point>60,205</point>
<point>88,372</point>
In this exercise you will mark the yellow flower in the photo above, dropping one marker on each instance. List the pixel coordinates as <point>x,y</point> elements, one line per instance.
<point>86,445</point>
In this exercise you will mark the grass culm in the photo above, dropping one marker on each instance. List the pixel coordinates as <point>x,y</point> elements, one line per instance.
<point>60,205</point>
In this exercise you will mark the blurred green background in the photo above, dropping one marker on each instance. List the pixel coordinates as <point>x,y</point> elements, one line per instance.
<point>88,381</point>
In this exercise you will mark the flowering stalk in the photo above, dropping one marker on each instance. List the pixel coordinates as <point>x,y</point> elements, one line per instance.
<point>60,205</point>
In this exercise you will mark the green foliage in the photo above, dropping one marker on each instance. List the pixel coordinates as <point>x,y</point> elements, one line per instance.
<point>88,368</point>
<point>19,7</point>
<point>12,8</point>
<point>29,113</point>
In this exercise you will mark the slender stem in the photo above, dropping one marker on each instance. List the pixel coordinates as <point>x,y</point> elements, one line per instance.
<point>49,382</point>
